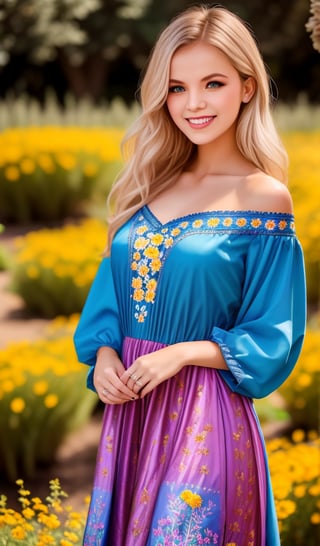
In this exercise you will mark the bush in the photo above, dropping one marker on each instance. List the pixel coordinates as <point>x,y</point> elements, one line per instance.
<point>42,398</point>
<point>304,183</point>
<point>38,522</point>
<point>296,485</point>
<point>301,390</point>
<point>53,269</point>
<point>48,173</point>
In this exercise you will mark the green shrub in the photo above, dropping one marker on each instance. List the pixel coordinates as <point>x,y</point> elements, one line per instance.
<point>53,269</point>
<point>49,173</point>
<point>294,468</point>
<point>37,522</point>
<point>301,390</point>
<point>42,398</point>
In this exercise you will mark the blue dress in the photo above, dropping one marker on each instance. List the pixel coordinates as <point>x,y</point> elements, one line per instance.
<point>187,463</point>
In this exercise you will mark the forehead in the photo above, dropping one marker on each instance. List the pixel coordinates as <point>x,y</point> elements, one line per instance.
<point>198,58</point>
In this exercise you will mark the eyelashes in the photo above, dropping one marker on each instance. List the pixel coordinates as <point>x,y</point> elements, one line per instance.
<point>214,84</point>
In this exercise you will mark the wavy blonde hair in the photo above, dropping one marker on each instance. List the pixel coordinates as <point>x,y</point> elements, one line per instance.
<point>155,150</point>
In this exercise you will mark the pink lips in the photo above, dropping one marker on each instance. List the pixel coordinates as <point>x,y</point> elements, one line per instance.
<point>200,122</point>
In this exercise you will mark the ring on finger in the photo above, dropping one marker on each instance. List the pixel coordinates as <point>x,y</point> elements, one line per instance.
<point>138,382</point>
<point>105,392</point>
<point>133,377</point>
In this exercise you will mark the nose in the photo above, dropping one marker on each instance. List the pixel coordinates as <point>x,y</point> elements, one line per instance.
<point>195,101</point>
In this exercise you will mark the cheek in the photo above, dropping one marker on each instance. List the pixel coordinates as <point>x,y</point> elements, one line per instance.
<point>173,107</point>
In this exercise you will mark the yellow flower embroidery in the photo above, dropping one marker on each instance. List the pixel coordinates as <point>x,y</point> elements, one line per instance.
<point>270,224</point>
<point>136,282</point>
<point>157,239</point>
<point>169,242</point>
<point>256,222</point>
<point>227,222</point>
<point>191,499</point>
<point>282,224</point>
<point>150,295</point>
<point>143,270</point>
<point>241,222</point>
<point>152,284</point>
<point>151,252</point>
<point>137,256</point>
<point>197,223</point>
<point>141,230</point>
<point>184,225</point>
<point>155,265</point>
<point>138,295</point>
<point>213,222</point>
<point>175,232</point>
<point>141,243</point>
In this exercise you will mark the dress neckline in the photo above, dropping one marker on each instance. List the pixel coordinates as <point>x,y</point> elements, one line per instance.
<point>217,213</point>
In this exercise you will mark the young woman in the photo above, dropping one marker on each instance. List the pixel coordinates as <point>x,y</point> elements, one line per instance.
<point>199,305</point>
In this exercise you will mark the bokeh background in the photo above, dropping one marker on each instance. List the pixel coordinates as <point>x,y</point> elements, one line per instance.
<point>69,74</point>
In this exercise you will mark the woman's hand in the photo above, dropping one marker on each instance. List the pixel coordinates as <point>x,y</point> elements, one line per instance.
<point>150,370</point>
<point>106,378</point>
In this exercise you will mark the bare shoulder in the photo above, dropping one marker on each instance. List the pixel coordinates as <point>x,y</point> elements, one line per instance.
<point>269,194</point>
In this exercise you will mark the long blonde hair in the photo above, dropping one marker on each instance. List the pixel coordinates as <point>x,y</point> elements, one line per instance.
<point>155,150</point>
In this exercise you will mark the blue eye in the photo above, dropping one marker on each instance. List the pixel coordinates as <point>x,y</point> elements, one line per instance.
<point>176,89</point>
<point>215,84</point>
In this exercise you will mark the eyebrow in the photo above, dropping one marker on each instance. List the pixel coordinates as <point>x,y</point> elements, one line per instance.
<point>206,78</point>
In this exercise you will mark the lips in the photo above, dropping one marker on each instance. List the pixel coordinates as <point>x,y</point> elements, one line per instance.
<point>200,122</point>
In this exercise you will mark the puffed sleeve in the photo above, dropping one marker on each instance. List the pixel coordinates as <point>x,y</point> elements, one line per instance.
<point>99,323</point>
<point>263,346</point>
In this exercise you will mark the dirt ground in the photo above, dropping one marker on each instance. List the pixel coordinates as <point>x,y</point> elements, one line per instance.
<point>75,460</point>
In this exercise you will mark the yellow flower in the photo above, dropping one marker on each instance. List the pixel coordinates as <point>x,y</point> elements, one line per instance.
<point>151,252</point>
<point>227,222</point>
<point>150,295</point>
<point>27,166</point>
<point>157,239</point>
<point>213,222</point>
<point>141,230</point>
<point>18,533</point>
<point>51,400</point>
<point>270,225</point>
<point>191,499</point>
<point>155,265</point>
<point>90,169</point>
<point>315,518</point>
<point>140,243</point>
<point>175,232</point>
<point>138,295</point>
<point>12,173</point>
<point>285,508</point>
<point>241,222</point>
<point>136,282</point>
<point>298,436</point>
<point>256,222</point>
<point>17,405</point>
<point>143,270</point>
<point>283,224</point>
<point>28,513</point>
<point>40,387</point>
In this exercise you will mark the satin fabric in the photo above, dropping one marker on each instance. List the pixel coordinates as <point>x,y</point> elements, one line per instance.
<point>233,277</point>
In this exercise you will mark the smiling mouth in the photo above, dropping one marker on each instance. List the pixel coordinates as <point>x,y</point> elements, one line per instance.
<point>200,122</point>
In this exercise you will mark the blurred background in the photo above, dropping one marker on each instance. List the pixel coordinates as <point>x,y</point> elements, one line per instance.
<point>69,73</point>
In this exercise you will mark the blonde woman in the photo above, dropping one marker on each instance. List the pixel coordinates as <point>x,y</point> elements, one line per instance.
<point>199,304</point>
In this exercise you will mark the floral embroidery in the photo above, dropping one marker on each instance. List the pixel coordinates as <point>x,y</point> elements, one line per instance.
<point>185,522</point>
<point>152,240</point>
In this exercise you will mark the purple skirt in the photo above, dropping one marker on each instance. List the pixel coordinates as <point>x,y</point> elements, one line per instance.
<point>184,465</point>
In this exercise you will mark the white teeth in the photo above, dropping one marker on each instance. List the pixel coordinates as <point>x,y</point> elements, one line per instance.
<point>199,121</point>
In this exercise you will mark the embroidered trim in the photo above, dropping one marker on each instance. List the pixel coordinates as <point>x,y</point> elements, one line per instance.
<point>150,246</point>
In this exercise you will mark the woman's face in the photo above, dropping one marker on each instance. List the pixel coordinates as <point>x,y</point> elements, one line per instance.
<point>205,93</point>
